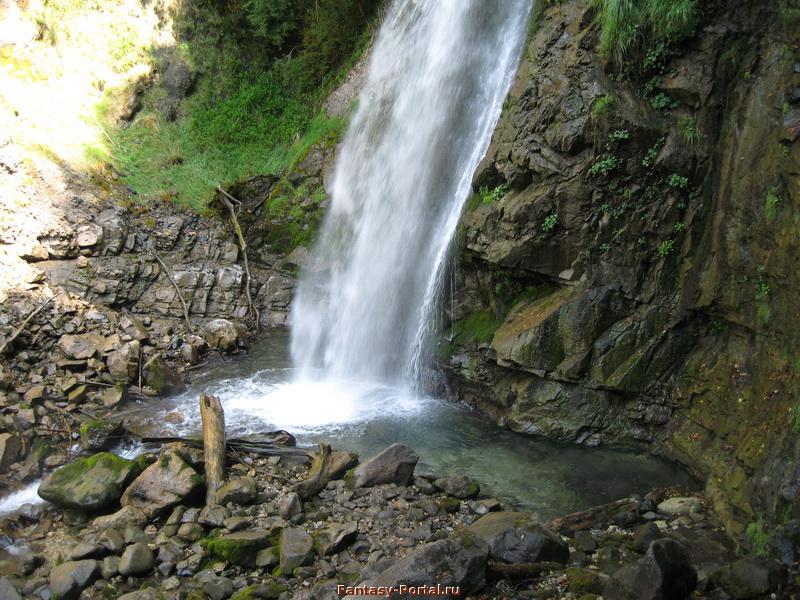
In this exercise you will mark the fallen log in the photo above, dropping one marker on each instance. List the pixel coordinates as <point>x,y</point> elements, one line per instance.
<point>213,444</point>
<point>585,519</point>
<point>236,444</point>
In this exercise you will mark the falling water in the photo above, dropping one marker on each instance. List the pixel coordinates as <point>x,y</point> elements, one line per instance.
<point>437,79</point>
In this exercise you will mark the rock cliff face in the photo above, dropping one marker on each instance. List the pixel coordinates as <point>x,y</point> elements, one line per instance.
<point>627,268</point>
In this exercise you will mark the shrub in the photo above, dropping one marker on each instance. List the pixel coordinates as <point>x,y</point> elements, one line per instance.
<point>679,182</point>
<point>662,103</point>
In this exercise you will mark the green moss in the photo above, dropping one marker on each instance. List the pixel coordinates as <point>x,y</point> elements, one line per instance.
<point>449,504</point>
<point>584,581</point>
<point>270,589</point>
<point>240,552</point>
<point>757,537</point>
<point>477,327</point>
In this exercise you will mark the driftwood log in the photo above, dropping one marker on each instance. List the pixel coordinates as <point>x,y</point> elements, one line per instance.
<point>213,444</point>
<point>586,519</point>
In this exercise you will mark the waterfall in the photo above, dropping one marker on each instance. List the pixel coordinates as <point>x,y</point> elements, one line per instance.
<point>438,75</point>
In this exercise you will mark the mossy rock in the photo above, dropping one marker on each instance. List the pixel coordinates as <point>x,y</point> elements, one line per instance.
<point>584,581</point>
<point>449,504</point>
<point>91,484</point>
<point>239,548</point>
<point>269,590</point>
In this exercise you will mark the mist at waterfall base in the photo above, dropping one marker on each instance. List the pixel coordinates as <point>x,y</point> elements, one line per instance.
<point>523,472</point>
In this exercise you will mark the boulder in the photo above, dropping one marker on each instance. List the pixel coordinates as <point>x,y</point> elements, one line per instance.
<point>456,561</point>
<point>100,435</point>
<point>123,363</point>
<point>213,516</point>
<point>81,347</point>
<point>675,507</point>
<point>663,574</point>
<point>240,548</point>
<point>162,378</point>
<point>127,516</point>
<point>145,594</point>
<point>458,486</point>
<point>112,541</point>
<point>290,506</point>
<point>8,591</point>
<point>10,447</point>
<point>514,537</point>
<point>335,537</point>
<point>137,559</point>
<point>92,483</point>
<point>69,579</point>
<point>221,334</point>
<point>110,567</point>
<point>750,577</point>
<point>239,490</point>
<point>393,465</point>
<point>164,484</point>
<point>296,549</point>
<point>645,535</point>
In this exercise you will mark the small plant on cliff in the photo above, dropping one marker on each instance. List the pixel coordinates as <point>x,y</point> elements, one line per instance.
<point>772,204</point>
<point>762,290</point>
<point>602,105</point>
<point>678,227</point>
<point>652,153</point>
<point>662,103</point>
<point>665,248</point>
<point>678,182</point>
<point>550,222</point>
<point>605,166</point>
<point>489,196</point>
<point>618,135</point>
<point>689,131</point>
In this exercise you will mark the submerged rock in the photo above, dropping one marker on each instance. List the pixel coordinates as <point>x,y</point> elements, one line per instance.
<point>393,465</point>
<point>90,484</point>
<point>458,486</point>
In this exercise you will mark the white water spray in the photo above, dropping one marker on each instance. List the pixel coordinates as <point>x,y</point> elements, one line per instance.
<point>437,79</point>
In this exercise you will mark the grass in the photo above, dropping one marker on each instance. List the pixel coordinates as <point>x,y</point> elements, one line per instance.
<point>486,196</point>
<point>626,25</point>
<point>477,327</point>
<point>758,537</point>
<point>602,105</point>
<point>689,130</point>
<point>772,204</point>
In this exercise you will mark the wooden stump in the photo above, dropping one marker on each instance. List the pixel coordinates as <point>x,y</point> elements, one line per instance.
<point>213,444</point>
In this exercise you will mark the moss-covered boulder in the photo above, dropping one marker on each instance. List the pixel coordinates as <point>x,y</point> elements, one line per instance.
<point>269,590</point>
<point>240,548</point>
<point>90,484</point>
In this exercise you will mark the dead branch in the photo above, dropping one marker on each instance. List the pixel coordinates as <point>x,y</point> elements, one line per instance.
<point>178,290</point>
<point>226,200</point>
<point>588,518</point>
<point>21,328</point>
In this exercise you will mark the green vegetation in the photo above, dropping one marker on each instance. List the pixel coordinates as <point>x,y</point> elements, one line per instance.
<point>689,130</point>
<point>550,222</point>
<point>662,103</point>
<point>772,204</point>
<point>665,248</point>
<point>486,196</point>
<point>602,105</point>
<point>678,182</point>
<point>605,166</point>
<point>618,135</point>
<point>477,327</point>
<point>627,25</point>
<point>652,153</point>
<point>678,227</point>
<point>758,537</point>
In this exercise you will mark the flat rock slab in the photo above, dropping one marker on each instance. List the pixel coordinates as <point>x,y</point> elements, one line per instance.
<point>69,579</point>
<point>515,537</point>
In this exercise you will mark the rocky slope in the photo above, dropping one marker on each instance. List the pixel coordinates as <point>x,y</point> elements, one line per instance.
<point>626,271</point>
